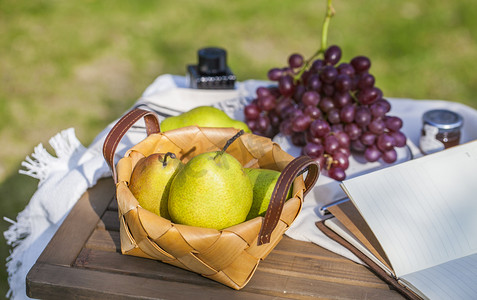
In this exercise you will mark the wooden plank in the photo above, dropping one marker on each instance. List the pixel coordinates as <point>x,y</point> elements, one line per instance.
<point>267,281</point>
<point>104,240</point>
<point>137,266</point>
<point>113,205</point>
<point>110,220</point>
<point>68,241</point>
<point>59,282</point>
<point>278,274</point>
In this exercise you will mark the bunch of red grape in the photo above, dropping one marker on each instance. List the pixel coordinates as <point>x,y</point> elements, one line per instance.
<point>327,109</point>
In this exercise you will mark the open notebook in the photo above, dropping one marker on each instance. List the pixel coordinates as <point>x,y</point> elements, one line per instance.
<point>416,222</point>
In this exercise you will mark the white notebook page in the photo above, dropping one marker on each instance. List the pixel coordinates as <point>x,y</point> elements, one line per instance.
<point>451,280</point>
<point>423,212</point>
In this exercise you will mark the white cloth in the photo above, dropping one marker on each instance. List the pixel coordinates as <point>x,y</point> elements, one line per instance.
<point>64,178</point>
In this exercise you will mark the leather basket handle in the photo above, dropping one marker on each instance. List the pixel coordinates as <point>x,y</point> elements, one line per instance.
<point>121,127</point>
<point>296,167</point>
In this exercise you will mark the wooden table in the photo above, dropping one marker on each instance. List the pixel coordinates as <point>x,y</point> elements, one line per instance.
<point>83,260</point>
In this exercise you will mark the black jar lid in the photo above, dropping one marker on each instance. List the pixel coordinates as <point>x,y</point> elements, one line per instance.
<point>443,119</point>
<point>212,61</point>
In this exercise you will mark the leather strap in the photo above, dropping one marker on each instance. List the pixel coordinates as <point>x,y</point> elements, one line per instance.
<point>121,127</point>
<point>280,192</point>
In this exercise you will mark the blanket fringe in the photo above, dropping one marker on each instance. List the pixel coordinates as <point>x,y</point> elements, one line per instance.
<point>41,163</point>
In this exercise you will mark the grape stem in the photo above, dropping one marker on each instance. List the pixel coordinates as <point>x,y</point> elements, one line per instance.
<point>330,12</point>
<point>328,161</point>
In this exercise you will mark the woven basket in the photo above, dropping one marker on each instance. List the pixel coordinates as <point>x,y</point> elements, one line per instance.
<point>229,256</point>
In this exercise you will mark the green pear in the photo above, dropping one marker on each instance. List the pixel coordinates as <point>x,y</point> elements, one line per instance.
<point>263,182</point>
<point>151,180</point>
<point>211,191</point>
<point>202,116</point>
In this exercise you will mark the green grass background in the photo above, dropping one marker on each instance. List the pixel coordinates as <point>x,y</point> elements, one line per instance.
<point>82,63</point>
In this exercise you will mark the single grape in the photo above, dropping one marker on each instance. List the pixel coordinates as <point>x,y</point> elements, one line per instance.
<point>362,116</point>
<point>361,64</point>
<point>317,65</point>
<point>378,109</point>
<point>263,92</point>
<point>368,138</point>
<point>385,103</point>
<point>345,150</point>
<point>399,138</point>
<point>275,74</point>
<point>393,123</point>
<point>340,160</point>
<point>262,123</point>
<point>343,83</point>
<point>313,150</point>
<point>369,96</point>
<point>385,142</point>
<point>331,144</point>
<point>266,103</point>
<point>366,81</point>
<point>357,146</point>
<point>353,131</point>
<point>343,139</point>
<point>347,113</point>
<point>326,104</point>
<point>301,123</point>
<point>313,111</point>
<point>251,111</point>
<point>377,126</point>
<point>314,83</point>
<point>295,60</point>
<point>333,116</point>
<point>286,85</point>
<point>337,173</point>
<point>341,99</point>
<point>389,156</point>
<point>333,55</point>
<point>319,128</point>
<point>346,69</point>
<point>310,98</point>
<point>328,74</point>
<point>372,153</point>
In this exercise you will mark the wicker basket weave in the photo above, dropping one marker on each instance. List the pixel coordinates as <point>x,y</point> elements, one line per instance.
<point>229,256</point>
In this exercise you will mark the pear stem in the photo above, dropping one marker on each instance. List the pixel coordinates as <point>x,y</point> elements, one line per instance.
<point>168,154</point>
<point>230,141</point>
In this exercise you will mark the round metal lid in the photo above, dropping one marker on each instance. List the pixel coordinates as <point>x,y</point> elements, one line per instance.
<point>443,119</point>
<point>212,60</point>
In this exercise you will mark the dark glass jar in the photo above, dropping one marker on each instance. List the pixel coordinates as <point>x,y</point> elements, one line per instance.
<point>441,129</point>
<point>212,71</point>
